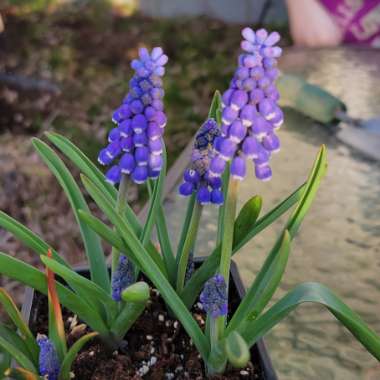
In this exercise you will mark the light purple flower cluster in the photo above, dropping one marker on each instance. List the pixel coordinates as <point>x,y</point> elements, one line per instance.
<point>197,178</point>
<point>48,358</point>
<point>122,277</point>
<point>136,141</point>
<point>250,110</point>
<point>214,296</point>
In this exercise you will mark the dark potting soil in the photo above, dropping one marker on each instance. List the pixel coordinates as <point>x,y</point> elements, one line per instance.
<point>155,348</point>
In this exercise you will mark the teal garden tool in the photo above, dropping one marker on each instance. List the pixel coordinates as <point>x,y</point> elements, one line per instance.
<point>320,105</point>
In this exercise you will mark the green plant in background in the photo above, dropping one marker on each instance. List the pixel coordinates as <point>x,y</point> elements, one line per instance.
<point>41,357</point>
<point>240,126</point>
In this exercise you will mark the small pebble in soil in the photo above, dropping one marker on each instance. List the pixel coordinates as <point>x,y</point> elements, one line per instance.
<point>161,318</point>
<point>149,337</point>
<point>244,372</point>
<point>143,370</point>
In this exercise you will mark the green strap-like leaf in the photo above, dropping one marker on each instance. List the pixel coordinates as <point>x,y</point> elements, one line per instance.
<point>316,293</point>
<point>215,110</point>
<point>81,161</point>
<point>93,247</point>
<point>18,355</point>
<point>29,238</point>
<point>186,223</point>
<point>21,374</point>
<point>207,269</point>
<point>260,293</point>
<point>156,216</point>
<point>114,239</point>
<point>16,317</point>
<point>150,268</point>
<point>64,373</point>
<point>84,164</point>
<point>252,301</point>
<point>247,218</point>
<point>105,232</point>
<point>30,276</point>
<point>89,291</point>
<point>16,340</point>
<point>164,239</point>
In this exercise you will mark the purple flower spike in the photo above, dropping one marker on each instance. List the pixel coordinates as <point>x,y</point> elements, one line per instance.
<point>251,114</point>
<point>122,277</point>
<point>197,178</point>
<point>214,297</point>
<point>140,122</point>
<point>48,361</point>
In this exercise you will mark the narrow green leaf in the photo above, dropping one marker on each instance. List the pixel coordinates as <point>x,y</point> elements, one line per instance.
<point>64,372</point>
<point>186,223</point>
<point>90,292</point>
<point>114,239</point>
<point>28,275</point>
<point>5,360</point>
<point>156,214</point>
<point>188,246</point>
<point>21,374</point>
<point>16,317</point>
<point>206,270</point>
<point>150,268</point>
<point>81,161</point>
<point>247,218</point>
<point>316,293</point>
<point>26,236</point>
<point>15,340</point>
<point>105,232</point>
<point>164,240</point>
<point>215,111</point>
<point>93,248</point>
<point>17,354</point>
<point>312,184</point>
<point>155,203</point>
<point>85,165</point>
<point>262,290</point>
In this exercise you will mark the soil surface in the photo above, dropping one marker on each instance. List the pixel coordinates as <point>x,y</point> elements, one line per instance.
<point>155,348</point>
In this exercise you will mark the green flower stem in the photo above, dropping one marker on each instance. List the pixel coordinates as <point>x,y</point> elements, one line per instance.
<point>128,315</point>
<point>216,362</point>
<point>120,208</point>
<point>227,240</point>
<point>188,246</point>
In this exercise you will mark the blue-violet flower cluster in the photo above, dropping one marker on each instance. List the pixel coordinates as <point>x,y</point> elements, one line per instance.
<point>48,358</point>
<point>197,178</point>
<point>122,277</point>
<point>136,141</point>
<point>251,114</point>
<point>214,297</point>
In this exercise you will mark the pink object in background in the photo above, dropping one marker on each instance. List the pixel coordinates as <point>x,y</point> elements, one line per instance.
<point>359,20</point>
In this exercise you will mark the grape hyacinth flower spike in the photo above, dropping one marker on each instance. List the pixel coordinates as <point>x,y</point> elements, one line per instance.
<point>48,358</point>
<point>214,297</point>
<point>251,114</point>
<point>135,144</point>
<point>196,178</point>
<point>122,277</point>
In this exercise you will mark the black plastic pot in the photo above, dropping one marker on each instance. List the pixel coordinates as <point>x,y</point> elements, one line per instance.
<point>259,353</point>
